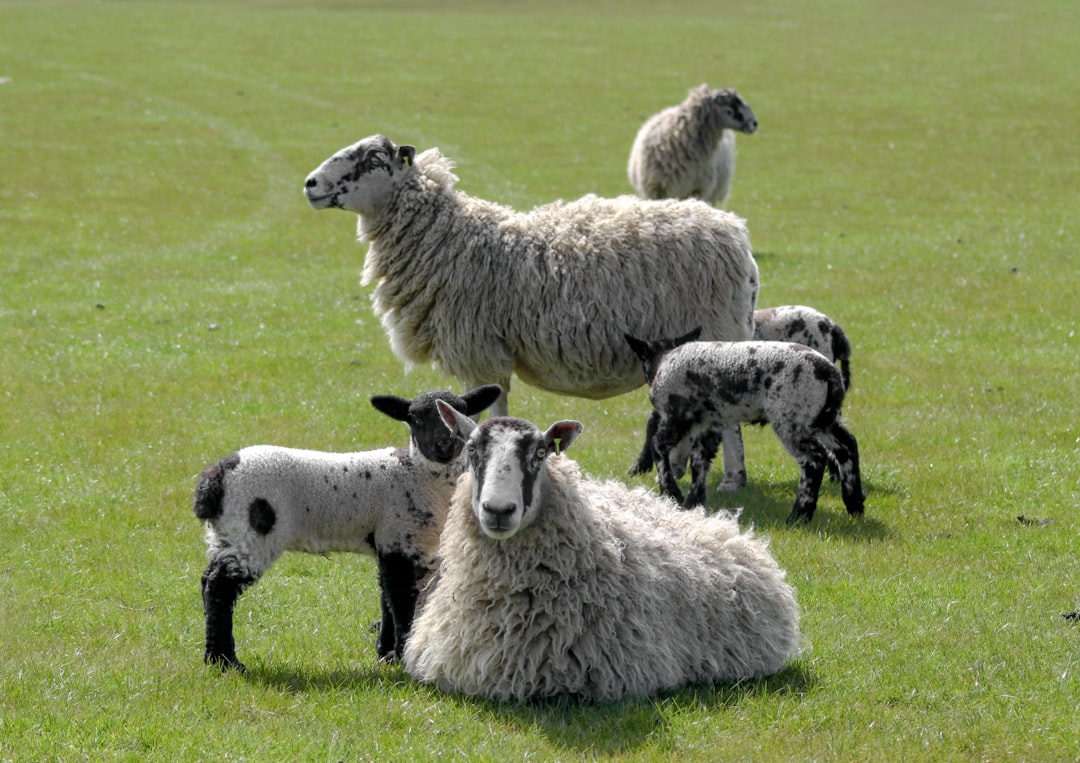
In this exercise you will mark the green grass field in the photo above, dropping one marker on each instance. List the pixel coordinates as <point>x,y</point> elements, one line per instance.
<point>167,296</point>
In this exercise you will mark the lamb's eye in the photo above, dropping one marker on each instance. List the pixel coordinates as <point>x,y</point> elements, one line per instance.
<point>541,454</point>
<point>472,451</point>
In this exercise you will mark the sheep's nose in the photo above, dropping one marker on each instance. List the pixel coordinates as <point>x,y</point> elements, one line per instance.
<point>498,511</point>
<point>311,183</point>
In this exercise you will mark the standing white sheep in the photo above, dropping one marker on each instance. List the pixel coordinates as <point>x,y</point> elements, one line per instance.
<point>483,291</point>
<point>263,500</point>
<point>700,388</point>
<point>554,585</point>
<point>688,150</point>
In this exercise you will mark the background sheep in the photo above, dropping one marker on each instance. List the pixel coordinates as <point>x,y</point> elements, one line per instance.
<point>264,500</point>
<point>688,150</point>
<point>553,585</point>
<point>483,291</point>
<point>698,388</point>
<point>805,325</point>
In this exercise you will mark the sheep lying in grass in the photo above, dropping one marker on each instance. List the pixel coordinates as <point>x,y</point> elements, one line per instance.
<point>688,150</point>
<point>264,500</point>
<point>699,388</point>
<point>482,291</point>
<point>554,585</point>
<point>805,325</point>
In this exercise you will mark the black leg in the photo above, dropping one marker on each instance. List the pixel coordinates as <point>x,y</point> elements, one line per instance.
<point>221,587</point>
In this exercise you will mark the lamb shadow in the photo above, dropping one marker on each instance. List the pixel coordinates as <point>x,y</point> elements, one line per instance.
<point>767,505</point>
<point>623,726</point>
<point>300,681</point>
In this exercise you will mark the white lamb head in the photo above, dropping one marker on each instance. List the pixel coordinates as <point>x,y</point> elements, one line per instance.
<point>507,457</point>
<point>359,178</point>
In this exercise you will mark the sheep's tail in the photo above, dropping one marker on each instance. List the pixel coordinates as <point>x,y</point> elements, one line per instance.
<point>210,492</point>
<point>841,350</point>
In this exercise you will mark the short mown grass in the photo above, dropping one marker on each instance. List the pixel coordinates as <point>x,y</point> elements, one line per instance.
<point>167,296</point>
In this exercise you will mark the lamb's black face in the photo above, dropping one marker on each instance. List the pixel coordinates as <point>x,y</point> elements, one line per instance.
<point>428,430</point>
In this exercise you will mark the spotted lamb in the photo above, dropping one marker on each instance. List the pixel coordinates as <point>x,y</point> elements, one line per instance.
<point>805,325</point>
<point>264,500</point>
<point>688,150</point>
<point>553,585</point>
<point>700,388</point>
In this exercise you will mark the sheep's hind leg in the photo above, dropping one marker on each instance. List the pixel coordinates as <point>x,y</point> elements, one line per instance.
<point>844,450</point>
<point>222,585</point>
<point>734,459</point>
<point>811,457</point>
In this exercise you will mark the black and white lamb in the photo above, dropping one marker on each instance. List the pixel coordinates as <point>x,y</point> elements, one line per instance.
<point>688,150</point>
<point>700,388</point>
<point>264,500</point>
<point>805,325</point>
<point>553,585</point>
<point>482,291</point>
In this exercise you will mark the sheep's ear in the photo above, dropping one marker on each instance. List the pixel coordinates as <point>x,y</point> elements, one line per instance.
<point>460,425</point>
<point>480,398</point>
<point>406,154</point>
<point>689,336</point>
<point>640,347</point>
<point>393,406</point>
<point>560,434</point>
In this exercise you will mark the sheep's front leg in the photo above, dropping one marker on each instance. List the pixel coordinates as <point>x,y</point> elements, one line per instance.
<point>734,460</point>
<point>665,443</point>
<point>644,462</point>
<point>222,585</point>
<point>702,452</point>
<point>399,583</point>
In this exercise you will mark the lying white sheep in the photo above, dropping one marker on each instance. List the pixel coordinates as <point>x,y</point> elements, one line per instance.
<point>688,150</point>
<point>264,500</point>
<point>554,585</point>
<point>483,291</point>
<point>699,388</point>
<point>805,325</point>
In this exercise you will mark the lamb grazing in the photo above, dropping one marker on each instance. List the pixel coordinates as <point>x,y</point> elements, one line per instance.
<point>552,585</point>
<point>805,325</point>
<point>699,388</point>
<point>482,291</point>
<point>264,500</point>
<point>688,150</point>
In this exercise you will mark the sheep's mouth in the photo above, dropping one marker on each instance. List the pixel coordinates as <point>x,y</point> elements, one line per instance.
<point>324,201</point>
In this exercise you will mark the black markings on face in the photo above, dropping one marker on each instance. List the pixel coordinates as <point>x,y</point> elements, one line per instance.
<point>261,516</point>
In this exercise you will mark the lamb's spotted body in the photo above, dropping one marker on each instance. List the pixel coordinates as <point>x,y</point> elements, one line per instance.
<point>391,503</point>
<point>699,388</point>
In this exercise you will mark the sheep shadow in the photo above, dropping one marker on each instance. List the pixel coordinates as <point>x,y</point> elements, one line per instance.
<point>620,727</point>
<point>766,505</point>
<point>294,680</point>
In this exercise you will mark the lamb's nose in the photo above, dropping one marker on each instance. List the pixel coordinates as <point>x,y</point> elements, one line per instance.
<point>311,183</point>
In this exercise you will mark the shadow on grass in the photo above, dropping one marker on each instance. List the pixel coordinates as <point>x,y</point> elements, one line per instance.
<point>767,505</point>
<point>621,727</point>
<point>300,680</point>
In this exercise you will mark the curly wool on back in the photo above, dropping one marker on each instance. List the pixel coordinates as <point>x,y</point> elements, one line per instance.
<point>483,291</point>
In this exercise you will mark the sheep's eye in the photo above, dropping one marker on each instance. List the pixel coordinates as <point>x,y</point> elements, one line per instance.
<point>472,451</point>
<point>541,454</point>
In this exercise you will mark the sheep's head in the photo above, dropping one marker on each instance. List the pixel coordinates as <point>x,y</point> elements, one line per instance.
<point>507,458</point>
<point>359,178</point>
<point>733,111</point>
<point>427,432</point>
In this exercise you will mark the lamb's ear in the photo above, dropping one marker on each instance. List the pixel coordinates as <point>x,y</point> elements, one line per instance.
<point>560,434</point>
<point>406,154</point>
<point>640,347</point>
<point>460,425</point>
<point>689,336</point>
<point>393,406</point>
<point>480,398</point>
